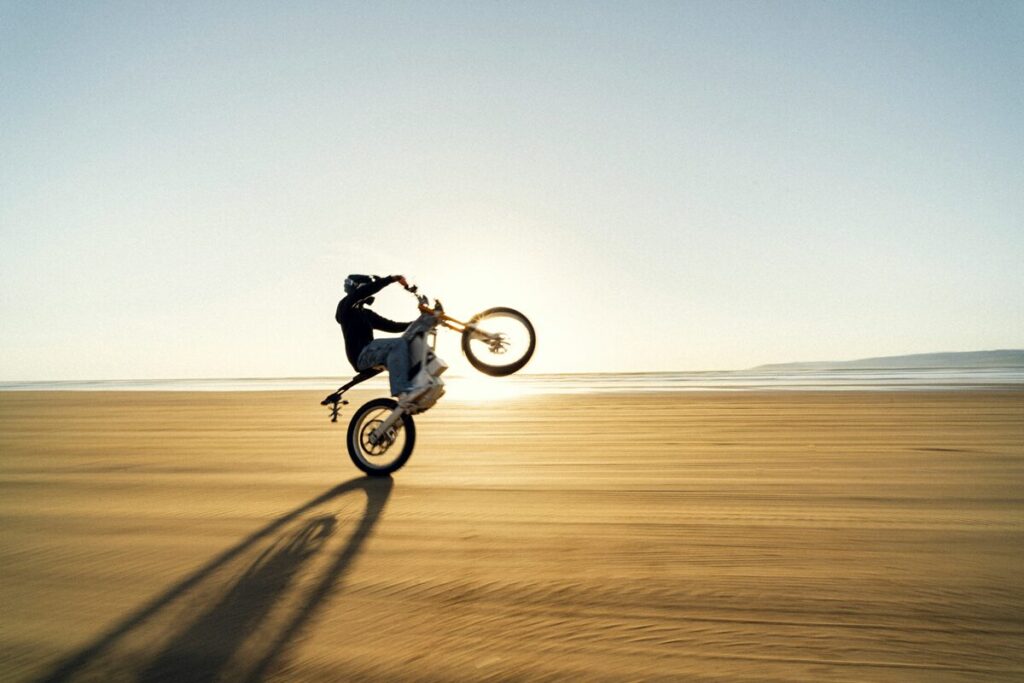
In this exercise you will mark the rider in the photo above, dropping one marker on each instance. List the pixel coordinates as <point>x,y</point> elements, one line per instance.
<point>358,323</point>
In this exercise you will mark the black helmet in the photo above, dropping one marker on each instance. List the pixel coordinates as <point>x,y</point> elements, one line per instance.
<point>354,282</point>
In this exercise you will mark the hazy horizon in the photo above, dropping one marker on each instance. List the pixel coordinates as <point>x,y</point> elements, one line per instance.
<point>671,186</point>
<point>496,383</point>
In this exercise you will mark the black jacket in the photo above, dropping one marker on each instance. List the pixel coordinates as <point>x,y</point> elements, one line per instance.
<point>358,323</point>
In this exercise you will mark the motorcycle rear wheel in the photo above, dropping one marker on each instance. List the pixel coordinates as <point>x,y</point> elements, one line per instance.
<point>509,345</point>
<point>381,459</point>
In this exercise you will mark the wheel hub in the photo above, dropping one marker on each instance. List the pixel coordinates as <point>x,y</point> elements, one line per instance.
<point>498,343</point>
<point>373,444</point>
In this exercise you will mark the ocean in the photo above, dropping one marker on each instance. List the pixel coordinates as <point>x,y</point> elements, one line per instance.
<point>532,384</point>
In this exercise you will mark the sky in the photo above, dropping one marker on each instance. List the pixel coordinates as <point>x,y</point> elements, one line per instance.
<point>658,186</point>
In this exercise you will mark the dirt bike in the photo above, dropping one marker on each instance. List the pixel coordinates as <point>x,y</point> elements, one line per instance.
<point>381,433</point>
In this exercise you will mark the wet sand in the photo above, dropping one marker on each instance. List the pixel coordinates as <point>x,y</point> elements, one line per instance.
<point>711,536</point>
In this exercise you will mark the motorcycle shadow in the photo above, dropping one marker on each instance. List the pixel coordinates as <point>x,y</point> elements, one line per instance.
<point>233,619</point>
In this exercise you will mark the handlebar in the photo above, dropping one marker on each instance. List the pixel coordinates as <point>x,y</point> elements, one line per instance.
<point>423,300</point>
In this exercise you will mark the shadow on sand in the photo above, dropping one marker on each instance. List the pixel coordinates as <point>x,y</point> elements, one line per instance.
<point>234,617</point>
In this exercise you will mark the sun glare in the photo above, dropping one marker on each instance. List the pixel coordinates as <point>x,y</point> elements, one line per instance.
<point>478,388</point>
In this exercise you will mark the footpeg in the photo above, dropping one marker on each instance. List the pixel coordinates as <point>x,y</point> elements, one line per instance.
<point>335,402</point>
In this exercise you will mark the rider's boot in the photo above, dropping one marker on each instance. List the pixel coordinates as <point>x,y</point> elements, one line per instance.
<point>409,396</point>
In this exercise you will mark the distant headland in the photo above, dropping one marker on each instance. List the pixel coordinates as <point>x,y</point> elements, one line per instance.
<point>1001,358</point>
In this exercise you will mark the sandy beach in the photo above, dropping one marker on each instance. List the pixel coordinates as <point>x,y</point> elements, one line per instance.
<point>845,536</point>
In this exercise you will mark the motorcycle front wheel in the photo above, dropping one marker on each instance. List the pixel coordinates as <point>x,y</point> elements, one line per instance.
<point>381,457</point>
<point>499,341</point>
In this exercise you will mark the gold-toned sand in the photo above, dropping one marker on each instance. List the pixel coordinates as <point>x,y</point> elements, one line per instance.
<point>711,536</point>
